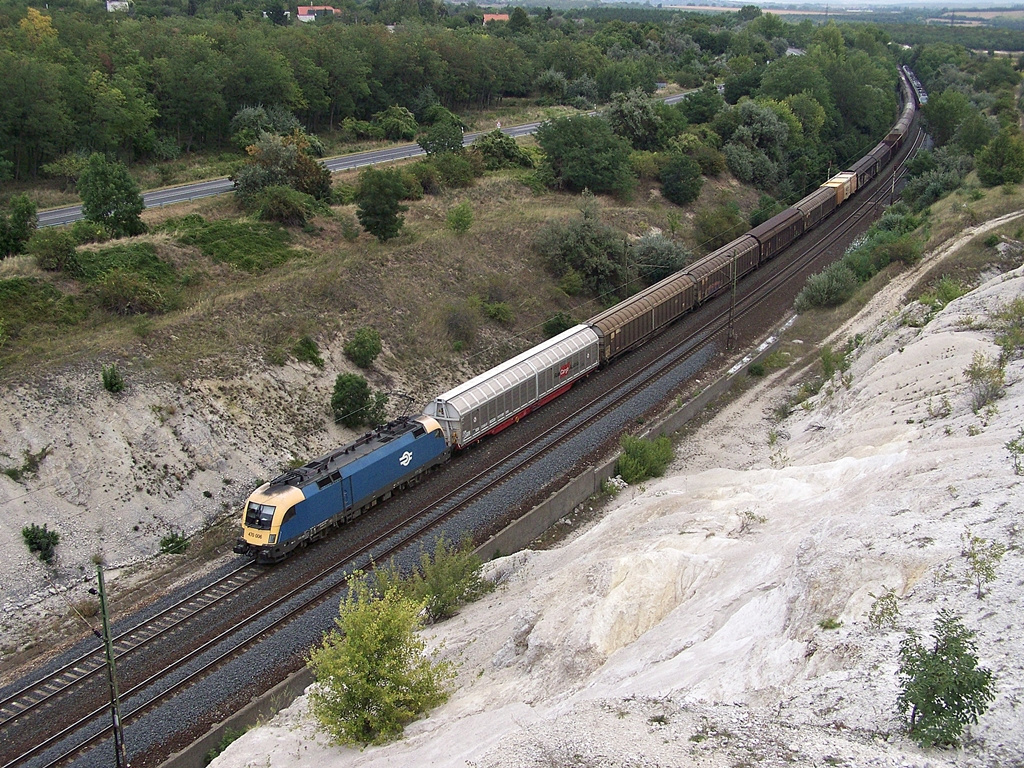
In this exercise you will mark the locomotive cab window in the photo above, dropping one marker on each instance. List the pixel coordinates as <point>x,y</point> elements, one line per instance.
<point>259,516</point>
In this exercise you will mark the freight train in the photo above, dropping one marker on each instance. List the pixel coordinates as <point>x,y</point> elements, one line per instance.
<point>302,504</point>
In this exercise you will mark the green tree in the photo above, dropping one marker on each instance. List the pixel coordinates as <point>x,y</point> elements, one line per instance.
<point>681,181</point>
<point>944,112</point>
<point>442,136</point>
<point>372,674</point>
<point>354,404</point>
<point>1002,159</point>
<point>657,257</point>
<point>17,226</point>
<point>634,117</point>
<point>583,152</point>
<point>982,557</point>
<point>364,346</point>
<point>111,197</point>
<point>499,150</point>
<point>378,202</point>
<point>396,123</point>
<point>942,689</point>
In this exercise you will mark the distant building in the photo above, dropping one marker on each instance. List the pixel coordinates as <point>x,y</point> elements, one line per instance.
<point>118,5</point>
<point>488,17</point>
<point>313,12</point>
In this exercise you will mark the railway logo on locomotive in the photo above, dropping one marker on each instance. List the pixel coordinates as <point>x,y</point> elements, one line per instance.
<point>405,458</point>
<point>564,370</point>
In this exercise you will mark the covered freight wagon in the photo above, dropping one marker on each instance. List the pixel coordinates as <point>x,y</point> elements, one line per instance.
<point>499,397</point>
<point>778,232</point>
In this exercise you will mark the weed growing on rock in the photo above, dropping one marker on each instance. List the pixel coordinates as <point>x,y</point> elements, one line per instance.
<point>982,557</point>
<point>113,380</point>
<point>885,610</point>
<point>40,541</point>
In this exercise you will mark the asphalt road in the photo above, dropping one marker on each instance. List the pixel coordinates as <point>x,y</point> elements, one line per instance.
<point>55,217</point>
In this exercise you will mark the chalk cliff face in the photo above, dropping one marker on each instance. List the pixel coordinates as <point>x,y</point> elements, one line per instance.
<point>688,626</point>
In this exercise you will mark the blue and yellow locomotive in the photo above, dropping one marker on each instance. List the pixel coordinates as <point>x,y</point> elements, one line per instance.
<point>302,504</point>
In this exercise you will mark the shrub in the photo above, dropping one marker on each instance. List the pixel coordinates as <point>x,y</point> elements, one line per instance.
<point>499,150</point>
<point>828,288</point>
<point>885,610</point>
<point>173,543</point>
<point>364,346</point>
<point>597,251</point>
<point>359,702</point>
<point>83,231</point>
<point>946,290</point>
<point>942,689</point>
<point>40,541</point>
<point>982,557</point>
<point>307,351</point>
<point>657,257</point>
<point>54,249</point>
<point>249,245</point>
<point>113,381</point>
<point>1009,321</point>
<point>230,736</point>
<point>986,381</point>
<point>126,293</point>
<point>681,181</point>
<point>447,579</point>
<point>460,218</point>
<point>461,322</point>
<point>499,311</point>
<point>714,227</point>
<point>642,459</point>
<point>354,405</point>
<point>284,205</point>
<point>556,324</point>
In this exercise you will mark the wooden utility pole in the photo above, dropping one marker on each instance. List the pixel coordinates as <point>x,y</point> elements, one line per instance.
<point>120,753</point>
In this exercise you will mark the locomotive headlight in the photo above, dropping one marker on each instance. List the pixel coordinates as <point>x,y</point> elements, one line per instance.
<point>272,539</point>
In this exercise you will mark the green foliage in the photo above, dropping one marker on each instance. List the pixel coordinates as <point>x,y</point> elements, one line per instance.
<point>53,250</point>
<point>447,579</point>
<point>946,290</point>
<point>372,675</point>
<point>33,306</point>
<point>767,206</point>
<point>595,251</point>
<point>354,405</point>
<point>17,226</point>
<point>982,557</point>
<point>829,288</point>
<point>306,350</point>
<point>460,218</point>
<point>113,379</point>
<point>830,622</point>
<point>583,152</point>
<point>714,227</point>
<point>461,321</point>
<point>642,459</point>
<point>1016,449</point>
<point>557,323</point>
<point>283,205</point>
<point>40,541</point>
<point>499,150</point>
<point>249,245</point>
<point>885,609</point>
<point>378,199</point>
<point>231,735</point>
<point>1009,323</point>
<point>281,161</point>
<point>499,311</point>
<point>174,543</point>
<point>1002,159</point>
<point>111,197</point>
<point>396,123</point>
<point>657,257</point>
<point>125,292</point>
<point>681,180</point>
<point>986,380</point>
<point>942,688</point>
<point>83,232</point>
<point>364,346</point>
<point>443,136</point>
<point>634,117</point>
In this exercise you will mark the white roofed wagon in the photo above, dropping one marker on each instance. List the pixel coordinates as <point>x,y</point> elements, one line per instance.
<point>501,396</point>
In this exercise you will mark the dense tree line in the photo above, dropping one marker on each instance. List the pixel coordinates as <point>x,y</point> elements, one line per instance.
<point>171,76</point>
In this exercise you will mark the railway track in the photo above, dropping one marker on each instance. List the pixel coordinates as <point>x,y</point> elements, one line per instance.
<point>36,735</point>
